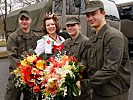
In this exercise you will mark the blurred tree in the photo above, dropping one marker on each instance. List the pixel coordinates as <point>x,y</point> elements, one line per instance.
<point>7,6</point>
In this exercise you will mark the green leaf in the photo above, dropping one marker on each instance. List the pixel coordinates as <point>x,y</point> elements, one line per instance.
<point>69,91</point>
<point>75,89</point>
<point>67,78</point>
<point>73,80</point>
<point>43,56</point>
<point>58,89</point>
<point>63,85</point>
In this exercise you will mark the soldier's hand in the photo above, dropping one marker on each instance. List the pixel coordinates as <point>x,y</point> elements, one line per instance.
<point>78,84</point>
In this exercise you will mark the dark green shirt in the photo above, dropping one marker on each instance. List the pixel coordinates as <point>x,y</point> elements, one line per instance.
<point>108,63</point>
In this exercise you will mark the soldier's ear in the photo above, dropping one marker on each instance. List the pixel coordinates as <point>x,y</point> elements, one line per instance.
<point>79,26</point>
<point>31,19</point>
<point>103,12</point>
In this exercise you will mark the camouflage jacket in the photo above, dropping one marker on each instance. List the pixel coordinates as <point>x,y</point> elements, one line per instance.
<point>18,42</point>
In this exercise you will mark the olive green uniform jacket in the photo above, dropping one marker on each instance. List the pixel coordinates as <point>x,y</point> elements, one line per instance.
<point>17,43</point>
<point>76,48</point>
<point>108,63</point>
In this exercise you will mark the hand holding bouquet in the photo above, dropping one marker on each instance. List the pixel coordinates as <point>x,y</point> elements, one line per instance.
<point>53,77</point>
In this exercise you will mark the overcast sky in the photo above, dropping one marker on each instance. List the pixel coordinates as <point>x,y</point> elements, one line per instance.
<point>122,1</point>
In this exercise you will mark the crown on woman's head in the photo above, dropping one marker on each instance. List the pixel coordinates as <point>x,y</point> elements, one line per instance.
<point>50,16</point>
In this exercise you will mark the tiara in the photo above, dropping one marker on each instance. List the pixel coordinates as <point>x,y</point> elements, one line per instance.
<point>53,16</point>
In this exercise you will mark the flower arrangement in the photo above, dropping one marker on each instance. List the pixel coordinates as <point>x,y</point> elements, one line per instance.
<point>52,77</point>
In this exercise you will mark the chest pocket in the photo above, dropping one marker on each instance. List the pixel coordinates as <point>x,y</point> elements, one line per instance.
<point>25,44</point>
<point>20,44</point>
<point>72,49</point>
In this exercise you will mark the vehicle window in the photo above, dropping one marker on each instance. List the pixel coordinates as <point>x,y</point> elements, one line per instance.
<point>127,13</point>
<point>58,7</point>
<point>111,10</point>
<point>72,10</point>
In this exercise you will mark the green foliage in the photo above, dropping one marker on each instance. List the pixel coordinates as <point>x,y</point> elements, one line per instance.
<point>70,81</point>
<point>43,56</point>
<point>3,43</point>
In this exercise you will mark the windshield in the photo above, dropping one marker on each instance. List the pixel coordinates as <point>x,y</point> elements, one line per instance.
<point>70,7</point>
<point>111,10</point>
<point>126,12</point>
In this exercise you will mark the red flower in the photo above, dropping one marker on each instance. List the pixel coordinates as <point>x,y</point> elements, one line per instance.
<point>73,59</point>
<point>36,88</point>
<point>52,60</point>
<point>26,73</point>
<point>59,48</point>
<point>38,58</point>
<point>26,70</point>
<point>44,81</point>
<point>30,84</point>
<point>18,64</point>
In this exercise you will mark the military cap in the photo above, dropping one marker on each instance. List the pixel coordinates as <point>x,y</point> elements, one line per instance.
<point>24,13</point>
<point>72,20</point>
<point>93,5</point>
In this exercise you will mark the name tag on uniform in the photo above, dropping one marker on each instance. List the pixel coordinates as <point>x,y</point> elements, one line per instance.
<point>48,47</point>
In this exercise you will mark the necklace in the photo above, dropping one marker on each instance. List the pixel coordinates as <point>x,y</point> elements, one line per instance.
<point>55,39</point>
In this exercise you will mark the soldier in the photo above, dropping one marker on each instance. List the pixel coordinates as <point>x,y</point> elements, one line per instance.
<point>75,46</point>
<point>130,97</point>
<point>19,41</point>
<point>108,58</point>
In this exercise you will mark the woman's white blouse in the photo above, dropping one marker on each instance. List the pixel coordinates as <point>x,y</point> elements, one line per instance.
<point>40,48</point>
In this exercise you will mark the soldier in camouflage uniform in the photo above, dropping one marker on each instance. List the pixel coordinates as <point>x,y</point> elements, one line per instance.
<point>108,58</point>
<point>75,46</point>
<point>21,40</point>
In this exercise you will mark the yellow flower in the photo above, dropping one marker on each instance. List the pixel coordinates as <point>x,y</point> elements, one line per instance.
<point>17,71</point>
<point>23,62</point>
<point>31,58</point>
<point>40,64</point>
<point>51,84</point>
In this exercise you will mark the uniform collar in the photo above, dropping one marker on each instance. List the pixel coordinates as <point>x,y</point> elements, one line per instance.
<point>100,33</point>
<point>102,30</point>
<point>78,39</point>
<point>73,41</point>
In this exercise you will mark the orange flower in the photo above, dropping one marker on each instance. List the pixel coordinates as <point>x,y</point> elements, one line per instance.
<point>65,57</point>
<point>26,73</point>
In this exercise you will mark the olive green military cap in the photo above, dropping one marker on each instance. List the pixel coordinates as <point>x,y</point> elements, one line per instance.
<point>24,13</point>
<point>72,20</point>
<point>93,5</point>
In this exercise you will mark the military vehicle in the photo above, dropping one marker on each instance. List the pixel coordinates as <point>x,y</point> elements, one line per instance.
<point>36,10</point>
<point>64,9</point>
<point>126,16</point>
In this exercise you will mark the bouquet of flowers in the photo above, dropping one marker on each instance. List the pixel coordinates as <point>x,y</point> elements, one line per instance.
<point>52,77</point>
